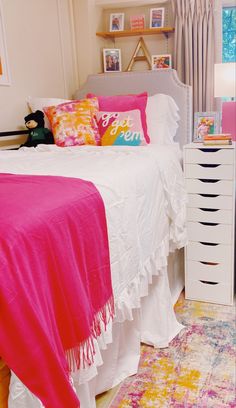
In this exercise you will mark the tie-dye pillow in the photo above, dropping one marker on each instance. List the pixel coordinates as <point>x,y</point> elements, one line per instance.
<point>74,123</point>
<point>120,128</point>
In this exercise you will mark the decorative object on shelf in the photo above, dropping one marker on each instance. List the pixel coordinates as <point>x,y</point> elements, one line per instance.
<point>135,57</point>
<point>4,67</point>
<point>112,59</point>
<point>157,17</point>
<point>137,22</point>
<point>162,61</point>
<point>205,123</point>
<point>117,22</point>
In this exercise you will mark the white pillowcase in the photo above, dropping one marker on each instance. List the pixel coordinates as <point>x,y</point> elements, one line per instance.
<point>162,119</point>
<point>36,103</point>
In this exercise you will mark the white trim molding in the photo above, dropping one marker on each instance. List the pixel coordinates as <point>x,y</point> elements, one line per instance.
<point>68,52</point>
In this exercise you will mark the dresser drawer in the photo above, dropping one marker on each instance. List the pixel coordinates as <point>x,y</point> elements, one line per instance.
<point>215,233</point>
<point>221,253</point>
<point>207,292</point>
<point>222,187</point>
<point>203,201</point>
<point>219,216</point>
<point>209,255</point>
<point>212,156</point>
<point>219,172</point>
<point>209,271</point>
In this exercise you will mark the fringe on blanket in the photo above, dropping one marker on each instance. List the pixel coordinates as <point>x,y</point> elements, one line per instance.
<point>83,353</point>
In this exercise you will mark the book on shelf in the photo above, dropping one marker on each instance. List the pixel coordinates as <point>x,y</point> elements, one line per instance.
<point>217,142</point>
<point>137,22</point>
<point>218,136</point>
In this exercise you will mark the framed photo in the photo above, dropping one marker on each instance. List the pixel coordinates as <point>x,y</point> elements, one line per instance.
<point>157,17</point>
<point>117,22</point>
<point>162,61</point>
<point>137,22</point>
<point>112,59</point>
<point>205,123</point>
<point>4,67</point>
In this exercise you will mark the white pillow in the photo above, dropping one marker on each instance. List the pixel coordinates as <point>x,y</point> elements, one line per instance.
<point>36,103</point>
<point>162,118</point>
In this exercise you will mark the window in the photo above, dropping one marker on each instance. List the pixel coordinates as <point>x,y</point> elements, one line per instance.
<point>229,34</point>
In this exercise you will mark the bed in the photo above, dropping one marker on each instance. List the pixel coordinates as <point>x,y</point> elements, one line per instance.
<point>145,240</point>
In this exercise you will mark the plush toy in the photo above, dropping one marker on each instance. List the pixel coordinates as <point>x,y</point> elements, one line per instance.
<point>38,133</point>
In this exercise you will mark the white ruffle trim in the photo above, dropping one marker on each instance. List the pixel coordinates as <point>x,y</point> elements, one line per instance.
<point>176,205</point>
<point>138,287</point>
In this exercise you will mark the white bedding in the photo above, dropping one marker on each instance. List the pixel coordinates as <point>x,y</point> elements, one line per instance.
<point>144,196</point>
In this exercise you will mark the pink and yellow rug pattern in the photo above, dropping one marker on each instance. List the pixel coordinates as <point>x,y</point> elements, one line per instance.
<point>197,370</point>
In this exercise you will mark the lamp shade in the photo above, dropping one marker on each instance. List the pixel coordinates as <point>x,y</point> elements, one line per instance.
<point>224,80</point>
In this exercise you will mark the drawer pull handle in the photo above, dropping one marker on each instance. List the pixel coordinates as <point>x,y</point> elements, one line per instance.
<point>209,263</point>
<point>209,224</point>
<point>209,209</point>
<point>209,150</point>
<point>208,165</point>
<point>209,283</point>
<point>208,181</point>
<point>209,195</point>
<point>208,243</point>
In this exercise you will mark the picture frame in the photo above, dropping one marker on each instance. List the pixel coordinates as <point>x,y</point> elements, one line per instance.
<point>205,123</point>
<point>137,22</point>
<point>4,65</point>
<point>112,59</point>
<point>157,17</point>
<point>161,61</point>
<point>117,21</point>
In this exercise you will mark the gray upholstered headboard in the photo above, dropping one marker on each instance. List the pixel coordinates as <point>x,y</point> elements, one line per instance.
<point>163,81</point>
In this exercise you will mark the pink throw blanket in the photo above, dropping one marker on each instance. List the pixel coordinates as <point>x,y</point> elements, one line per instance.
<point>55,281</point>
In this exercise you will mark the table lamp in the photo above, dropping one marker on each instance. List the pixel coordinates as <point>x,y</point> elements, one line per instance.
<point>225,86</point>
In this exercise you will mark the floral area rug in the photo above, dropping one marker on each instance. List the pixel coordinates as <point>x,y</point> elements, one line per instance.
<point>197,370</point>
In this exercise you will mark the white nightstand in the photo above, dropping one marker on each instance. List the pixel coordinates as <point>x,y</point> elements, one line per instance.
<point>209,256</point>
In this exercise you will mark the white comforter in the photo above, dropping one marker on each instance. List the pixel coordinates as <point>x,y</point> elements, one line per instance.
<point>144,196</point>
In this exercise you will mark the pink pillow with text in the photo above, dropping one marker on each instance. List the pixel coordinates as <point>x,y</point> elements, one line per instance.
<point>120,128</point>
<point>123,103</point>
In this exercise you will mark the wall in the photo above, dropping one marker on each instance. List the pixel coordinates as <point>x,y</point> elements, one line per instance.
<point>41,52</point>
<point>88,18</point>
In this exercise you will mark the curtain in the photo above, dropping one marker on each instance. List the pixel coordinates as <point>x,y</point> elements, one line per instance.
<point>194,51</point>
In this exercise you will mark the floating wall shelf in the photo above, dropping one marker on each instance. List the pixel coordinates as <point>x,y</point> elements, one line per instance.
<point>129,33</point>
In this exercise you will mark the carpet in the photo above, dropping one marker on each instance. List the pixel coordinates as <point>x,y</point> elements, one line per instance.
<point>197,370</point>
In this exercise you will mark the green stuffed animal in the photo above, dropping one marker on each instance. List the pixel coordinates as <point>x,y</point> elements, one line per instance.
<point>38,134</point>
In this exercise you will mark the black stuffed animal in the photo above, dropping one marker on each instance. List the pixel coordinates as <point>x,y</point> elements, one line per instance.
<point>38,133</point>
